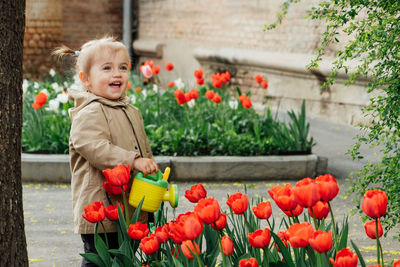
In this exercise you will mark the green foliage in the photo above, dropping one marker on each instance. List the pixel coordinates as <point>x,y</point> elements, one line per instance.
<point>372,28</point>
<point>199,128</point>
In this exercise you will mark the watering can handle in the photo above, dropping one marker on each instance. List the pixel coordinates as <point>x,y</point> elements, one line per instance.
<point>166,174</point>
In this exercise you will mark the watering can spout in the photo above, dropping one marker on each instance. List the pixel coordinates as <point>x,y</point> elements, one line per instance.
<point>172,196</point>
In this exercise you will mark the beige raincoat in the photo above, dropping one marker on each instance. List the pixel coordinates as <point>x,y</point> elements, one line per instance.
<point>104,133</point>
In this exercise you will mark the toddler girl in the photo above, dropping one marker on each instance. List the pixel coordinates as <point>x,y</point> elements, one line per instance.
<point>106,130</point>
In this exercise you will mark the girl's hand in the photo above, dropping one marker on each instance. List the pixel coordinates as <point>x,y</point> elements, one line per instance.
<point>145,165</point>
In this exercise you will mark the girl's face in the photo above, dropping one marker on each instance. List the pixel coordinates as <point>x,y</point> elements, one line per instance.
<point>108,75</point>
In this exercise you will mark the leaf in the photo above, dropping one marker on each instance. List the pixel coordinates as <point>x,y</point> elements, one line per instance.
<point>92,257</point>
<point>343,236</point>
<point>136,214</point>
<point>360,257</point>
<point>285,252</point>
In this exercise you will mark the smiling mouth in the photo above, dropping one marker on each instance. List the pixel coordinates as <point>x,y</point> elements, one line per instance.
<point>115,85</point>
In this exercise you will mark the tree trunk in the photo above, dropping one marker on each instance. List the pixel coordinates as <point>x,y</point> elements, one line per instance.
<point>13,250</point>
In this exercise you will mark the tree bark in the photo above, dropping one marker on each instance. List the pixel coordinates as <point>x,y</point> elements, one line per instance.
<point>13,251</point>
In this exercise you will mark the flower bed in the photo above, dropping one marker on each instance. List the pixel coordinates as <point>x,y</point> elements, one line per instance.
<point>210,236</point>
<point>210,119</point>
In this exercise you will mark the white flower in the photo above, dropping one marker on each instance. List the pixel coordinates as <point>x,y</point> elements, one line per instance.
<point>144,92</point>
<point>133,99</point>
<point>52,73</point>
<point>233,104</point>
<point>56,87</point>
<point>36,85</point>
<point>63,112</point>
<point>191,103</point>
<point>179,84</point>
<point>53,105</point>
<point>25,85</point>
<point>63,97</point>
<point>65,84</point>
<point>155,87</point>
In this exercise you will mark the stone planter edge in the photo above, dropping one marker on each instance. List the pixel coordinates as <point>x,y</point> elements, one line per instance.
<point>55,168</point>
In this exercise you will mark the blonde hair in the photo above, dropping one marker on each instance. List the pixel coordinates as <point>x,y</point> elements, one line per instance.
<point>84,57</point>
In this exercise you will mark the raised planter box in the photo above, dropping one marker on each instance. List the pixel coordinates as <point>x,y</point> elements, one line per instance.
<point>55,168</point>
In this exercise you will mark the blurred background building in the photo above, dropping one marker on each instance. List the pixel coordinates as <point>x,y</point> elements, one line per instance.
<point>216,35</point>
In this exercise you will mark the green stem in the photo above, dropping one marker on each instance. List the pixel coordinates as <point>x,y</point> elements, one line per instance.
<point>198,260</point>
<point>266,256</point>
<point>327,259</point>
<point>309,252</point>
<point>333,223</point>
<point>125,207</point>
<point>247,222</point>
<point>105,233</point>
<point>315,220</point>
<point>220,246</point>
<point>270,227</point>
<point>378,244</point>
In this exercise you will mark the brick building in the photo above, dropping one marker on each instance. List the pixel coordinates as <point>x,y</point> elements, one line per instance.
<point>214,35</point>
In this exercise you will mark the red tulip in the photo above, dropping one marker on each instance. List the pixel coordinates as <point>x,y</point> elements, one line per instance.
<point>114,190</point>
<point>264,84</point>
<point>320,210</point>
<point>220,223</point>
<point>117,176</point>
<point>186,226</point>
<point>238,203</point>
<point>210,94</point>
<point>112,212</point>
<point>169,66</point>
<point>263,210</point>
<point>149,244</point>
<point>299,234</point>
<point>321,241</point>
<point>171,84</point>
<point>196,193</point>
<point>176,232</point>
<point>217,83</point>
<point>306,192</point>
<point>149,62</point>
<point>396,264</point>
<point>374,203</point>
<point>283,197</point>
<point>216,99</point>
<point>162,233</point>
<point>370,229</point>
<point>137,231</point>
<point>200,81</point>
<point>94,212</point>
<point>246,103</point>
<point>345,258</point>
<point>260,238</point>
<point>156,69</point>
<point>295,212</point>
<point>41,98</point>
<point>208,210</point>
<point>189,247</point>
<point>36,105</point>
<point>252,262</point>
<point>198,74</point>
<point>227,245</point>
<point>328,187</point>
<point>258,78</point>
<point>194,94</point>
<point>281,235</point>
<point>188,97</point>
<point>180,97</point>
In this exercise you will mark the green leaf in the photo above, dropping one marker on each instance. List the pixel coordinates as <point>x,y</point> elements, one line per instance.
<point>136,214</point>
<point>285,252</point>
<point>360,257</point>
<point>92,257</point>
<point>343,236</point>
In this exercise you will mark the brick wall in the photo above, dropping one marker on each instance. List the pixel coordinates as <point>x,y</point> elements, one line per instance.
<point>89,19</point>
<point>50,23</point>
<point>42,34</point>
<point>234,23</point>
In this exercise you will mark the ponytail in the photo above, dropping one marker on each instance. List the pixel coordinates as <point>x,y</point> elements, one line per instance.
<point>63,51</point>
